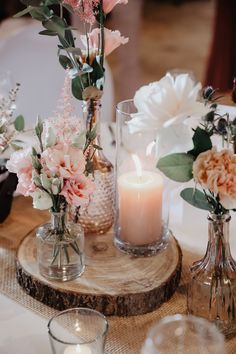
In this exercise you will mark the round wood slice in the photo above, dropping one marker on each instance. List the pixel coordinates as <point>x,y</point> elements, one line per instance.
<point>113,283</point>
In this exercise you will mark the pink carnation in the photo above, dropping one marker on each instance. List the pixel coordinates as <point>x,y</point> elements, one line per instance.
<point>108,5</point>
<point>216,171</point>
<point>77,190</point>
<point>113,40</point>
<point>21,164</point>
<point>63,161</point>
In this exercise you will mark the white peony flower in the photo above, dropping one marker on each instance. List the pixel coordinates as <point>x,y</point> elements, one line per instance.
<point>164,106</point>
<point>41,200</point>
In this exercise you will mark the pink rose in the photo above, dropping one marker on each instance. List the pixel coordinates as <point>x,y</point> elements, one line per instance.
<point>21,164</point>
<point>113,40</point>
<point>77,190</point>
<point>216,171</point>
<point>63,161</point>
<point>108,5</point>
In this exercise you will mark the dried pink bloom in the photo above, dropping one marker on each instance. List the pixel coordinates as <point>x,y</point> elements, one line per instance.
<point>113,40</point>
<point>77,191</point>
<point>108,5</point>
<point>216,171</point>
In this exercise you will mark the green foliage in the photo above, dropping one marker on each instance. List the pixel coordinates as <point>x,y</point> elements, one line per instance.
<point>23,12</point>
<point>201,142</point>
<point>177,167</point>
<point>78,84</point>
<point>19,123</point>
<point>198,199</point>
<point>87,76</point>
<point>65,62</point>
<point>55,24</point>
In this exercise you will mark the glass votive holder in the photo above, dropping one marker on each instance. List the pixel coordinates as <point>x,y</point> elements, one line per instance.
<point>142,210</point>
<point>180,334</point>
<point>78,331</point>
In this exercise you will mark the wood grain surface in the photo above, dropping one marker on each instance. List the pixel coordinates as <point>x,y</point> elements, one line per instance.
<point>113,283</point>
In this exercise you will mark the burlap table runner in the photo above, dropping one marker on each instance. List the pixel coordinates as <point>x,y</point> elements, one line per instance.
<point>126,335</point>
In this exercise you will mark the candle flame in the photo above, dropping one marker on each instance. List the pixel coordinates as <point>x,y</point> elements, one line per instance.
<point>150,148</point>
<point>138,165</point>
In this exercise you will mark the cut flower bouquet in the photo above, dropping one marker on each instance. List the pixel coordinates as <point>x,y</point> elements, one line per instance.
<point>54,173</point>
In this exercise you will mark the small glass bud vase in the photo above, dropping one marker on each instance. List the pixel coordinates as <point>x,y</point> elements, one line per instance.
<point>212,287</point>
<point>60,248</point>
<point>141,223</point>
<point>98,216</point>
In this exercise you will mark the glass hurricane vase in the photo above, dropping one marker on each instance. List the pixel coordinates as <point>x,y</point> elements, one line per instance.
<point>60,248</point>
<point>212,288</point>
<point>97,217</point>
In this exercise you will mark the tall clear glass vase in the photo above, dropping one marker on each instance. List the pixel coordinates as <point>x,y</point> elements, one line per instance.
<point>98,216</point>
<point>212,288</point>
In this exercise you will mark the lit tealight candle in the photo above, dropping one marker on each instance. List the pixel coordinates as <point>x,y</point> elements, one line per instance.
<point>140,206</point>
<point>78,349</point>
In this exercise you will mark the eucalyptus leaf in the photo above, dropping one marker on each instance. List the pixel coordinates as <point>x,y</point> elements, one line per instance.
<point>65,62</point>
<point>78,84</point>
<point>69,37</point>
<point>40,13</point>
<point>91,134</point>
<point>79,140</point>
<point>197,198</point>
<point>23,12</point>
<point>19,123</point>
<point>87,68</point>
<point>55,24</point>
<point>177,167</point>
<point>15,147</point>
<point>98,71</point>
<point>47,33</point>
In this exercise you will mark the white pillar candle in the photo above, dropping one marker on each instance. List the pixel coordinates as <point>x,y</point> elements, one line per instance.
<point>140,207</point>
<point>78,349</point>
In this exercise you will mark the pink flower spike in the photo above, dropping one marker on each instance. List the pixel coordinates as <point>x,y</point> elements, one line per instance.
<point>73,3</point>
<point>108,5</point>
<point>86,9</point>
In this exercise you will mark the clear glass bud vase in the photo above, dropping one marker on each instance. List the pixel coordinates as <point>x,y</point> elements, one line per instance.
<point>212,288</point>
<point>98,215</point>
<point>60,248</point>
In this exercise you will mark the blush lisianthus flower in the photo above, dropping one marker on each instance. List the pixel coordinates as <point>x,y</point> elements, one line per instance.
<point>108,5</point>
<point>216,171</point>
<point>112,39</point>
<point>21,164</point>
<point>76,191</point>
<point>63,161</point>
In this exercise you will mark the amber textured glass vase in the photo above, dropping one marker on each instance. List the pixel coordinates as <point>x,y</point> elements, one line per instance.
<point>212,288</point>
<point>98,216</point>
